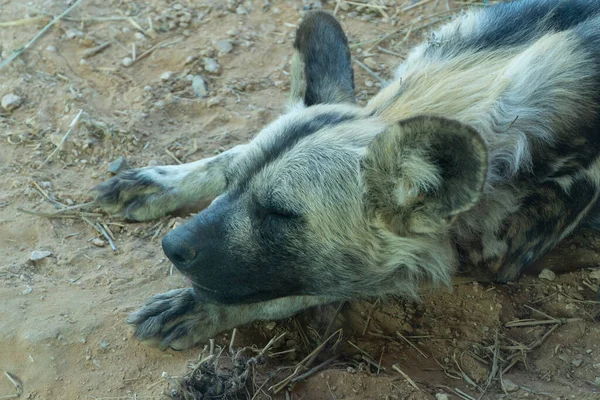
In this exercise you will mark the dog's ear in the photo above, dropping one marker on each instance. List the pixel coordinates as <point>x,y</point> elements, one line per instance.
<point>421,173</point>
<point>321,65</point>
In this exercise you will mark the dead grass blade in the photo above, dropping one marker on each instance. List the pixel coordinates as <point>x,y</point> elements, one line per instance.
<point>412,345</point>
<point>304,363</point>
<point>41,33</point>
<point>412,383</point>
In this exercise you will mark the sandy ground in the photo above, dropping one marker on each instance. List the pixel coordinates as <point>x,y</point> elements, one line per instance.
<point>62,330</point>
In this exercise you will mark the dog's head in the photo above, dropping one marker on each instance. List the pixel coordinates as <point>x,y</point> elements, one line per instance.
<point>329,199</point>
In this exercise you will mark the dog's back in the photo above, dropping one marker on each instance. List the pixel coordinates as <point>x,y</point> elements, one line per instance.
<point>526,76</point>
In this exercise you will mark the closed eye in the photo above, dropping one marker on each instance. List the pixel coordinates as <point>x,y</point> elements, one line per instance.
<point>278,213</point>
<point>274,210</point>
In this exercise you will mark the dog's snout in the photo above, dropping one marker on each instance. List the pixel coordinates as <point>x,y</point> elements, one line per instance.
<point>178,250</point>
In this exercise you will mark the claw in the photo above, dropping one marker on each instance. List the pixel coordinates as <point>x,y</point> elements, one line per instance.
<point>169,319</point>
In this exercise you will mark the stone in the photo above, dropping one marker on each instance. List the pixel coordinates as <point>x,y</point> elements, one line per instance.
<point>72,34</point>
<point>199,86</point>
<point>11,102</point>
<point>215,101</point>
<point>510,386</point>
<point>165,76</point>
<point>211,65</point>
<point>577,363</point>
<point>98,242</point>
<point>223,46</point>
<point>595,274</point>
<point>28,289</point>
<point>118,165</point>
<point>371,63</point>
<point>547,274</point>
<point>441,396</point>
<point>271,325</point>
<point>127,61</point>
<point>38,255</point>
<point>190,59</point>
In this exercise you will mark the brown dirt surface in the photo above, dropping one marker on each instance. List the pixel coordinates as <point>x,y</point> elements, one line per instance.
<point>62,329</point>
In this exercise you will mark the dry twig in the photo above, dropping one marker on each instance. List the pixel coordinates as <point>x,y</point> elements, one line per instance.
<point>412,383</point>
<point>412,345</point>
<point>39,35</point>
<point>64,138</point>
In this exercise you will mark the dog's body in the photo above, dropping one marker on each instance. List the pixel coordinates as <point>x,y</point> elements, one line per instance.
<point>483,152</point>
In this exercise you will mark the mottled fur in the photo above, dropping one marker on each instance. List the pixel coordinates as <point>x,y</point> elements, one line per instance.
<point>482,153</point>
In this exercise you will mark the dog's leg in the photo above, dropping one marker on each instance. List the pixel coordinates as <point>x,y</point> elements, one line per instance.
<point>176,319</point>
<point>148,193</point>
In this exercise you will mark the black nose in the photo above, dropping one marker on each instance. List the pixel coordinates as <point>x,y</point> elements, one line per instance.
<point>178,250</point>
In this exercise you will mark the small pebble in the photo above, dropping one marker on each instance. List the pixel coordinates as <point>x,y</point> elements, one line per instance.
<point>74,34</point>
<point>597,380</point>
<point>223,46</point>
<point>371,63</point>
<point>165,76</point>
<point>211,65</point>
<point>190,59</point>
<point>27,290</point>
<point>547,274</point>
<point>510,386</point>
<point>38,255</point>
<point>117,165</point>
<point>127,61</point>
<point>271,325</point>
<point>595,274</point>
<point>345,7</point>
<point>199,86</point>
<point>241,10</point>
<point>104,344</point>
<point>148,88</point>
<point>596,366</point>
<point>215,101</point>
<point>51,49</point>
<point>577,363</point>
<point>139,36</point>
<point>369,83</point>
<point>98,242</point>
<point>11,102</point>
<point>441,396</point>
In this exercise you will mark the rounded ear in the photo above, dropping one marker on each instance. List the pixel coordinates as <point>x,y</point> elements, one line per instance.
<point>321,66</point>
<point>422,172</point>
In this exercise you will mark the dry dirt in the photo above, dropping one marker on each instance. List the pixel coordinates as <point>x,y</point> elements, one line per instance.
<point>62,330</point>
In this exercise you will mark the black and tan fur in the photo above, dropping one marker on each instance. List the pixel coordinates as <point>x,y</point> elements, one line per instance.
<point>483,152</point>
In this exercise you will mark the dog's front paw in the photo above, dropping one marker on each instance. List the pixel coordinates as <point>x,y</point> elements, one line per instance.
<point>177,320</point>
<point>138,194</point>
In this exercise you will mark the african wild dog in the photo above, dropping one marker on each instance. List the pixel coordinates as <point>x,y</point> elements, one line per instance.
<point>482,152</point>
